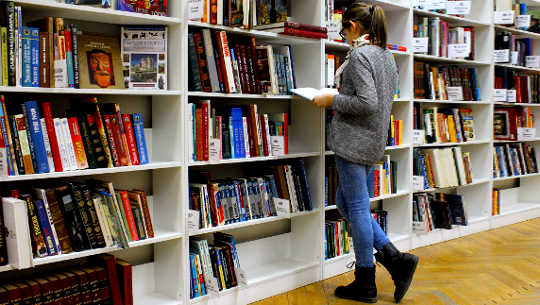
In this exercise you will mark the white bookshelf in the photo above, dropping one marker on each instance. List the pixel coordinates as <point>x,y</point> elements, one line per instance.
<point>279,253</point>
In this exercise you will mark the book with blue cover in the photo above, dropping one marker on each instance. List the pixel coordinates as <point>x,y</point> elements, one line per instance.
<point>31,114</point>
<point>138,129</point>
<point>30,56</point>
<point>46,228</point>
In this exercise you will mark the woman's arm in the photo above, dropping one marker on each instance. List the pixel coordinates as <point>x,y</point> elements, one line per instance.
<point>365,100</point>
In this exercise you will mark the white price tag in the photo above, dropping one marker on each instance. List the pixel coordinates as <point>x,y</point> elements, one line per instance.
<point>214,149</point>
<point>418,136</point>
<point>212,286</point>
<point>458,7</point>
<point>283,206</point>
<point>501,55</point>
<point>196,9</point>
<point>525,134</point>
<point>241,276</point>
<point>193,221</point>
<point>511,96</point>
<point>418,183</point>
<point>420,44</point>
<point>278,145</point>
<point>436,4</point>
<point>458,50</point>
<point>500,95</point>
<point>523,21</point>
<point>514,57</point>
<point>532,62</point>
<point>333,29</point>
<point>455,93</point>
<point>503,17</point>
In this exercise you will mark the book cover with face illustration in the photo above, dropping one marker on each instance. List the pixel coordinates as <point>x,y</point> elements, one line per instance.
<point>100,63</point>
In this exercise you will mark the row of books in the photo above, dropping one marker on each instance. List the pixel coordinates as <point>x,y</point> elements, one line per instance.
<point>518,48</point>
<point>440,82</point>
<point>526,85</point>
<point>443,167</point>
<point>226,201</point>
<point>437,211</point>
<point>395,132</point>
<point>48,53</point>
<point>519,8</point>
<point>336,237</point>
<point>152,7</point>
<point>381,217</point>
<point>103,280</point>
<point>507,120</point>
<point>495,202</point>
<point>35,142</point>
<point>236,132</point>
<point>445,125</point>
<point>514,159</point>
<point>213,266</point>
<point>441,35</point>
<point>333,14</point>
<point>220,62</point>
<point>66,217</point>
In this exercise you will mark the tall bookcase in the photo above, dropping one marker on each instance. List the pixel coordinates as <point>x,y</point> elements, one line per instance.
<point>277,253</point>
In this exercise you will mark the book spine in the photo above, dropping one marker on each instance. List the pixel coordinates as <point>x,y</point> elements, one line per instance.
<point>202,63</point>
<point>69,59</point>
<point>17,146</point>
<point>46,228</point>
<point>31,144</point>
<point>49,122</point>
<point>75,51</point>
<point>64,243</point>
<point>44,76</point>
<point>10,18</point>
<point>95,140</point>
<point>60,64</point>
<point>38,242</point>
<point>32,116</point>
<point>34,43</point>
<point>61,144</point>
<point>120,137</point>
<point>147,216</point>
<point>227,62</point>
<point>107,119</point>
<point>92,216</point>
<point>47,143</point>
<point>138,128</point>
<point>128,127</point>
<point>25,148</point>
<point>195,82</point>
<point>72,157</point>
<point>27,58</point>
<point>78,146</point>
<point>129,215</point>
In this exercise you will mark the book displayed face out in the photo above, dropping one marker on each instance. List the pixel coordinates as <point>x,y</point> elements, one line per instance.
<point>100,63</point>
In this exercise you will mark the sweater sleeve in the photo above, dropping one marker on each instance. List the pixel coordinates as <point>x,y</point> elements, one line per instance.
<point>364,100</point>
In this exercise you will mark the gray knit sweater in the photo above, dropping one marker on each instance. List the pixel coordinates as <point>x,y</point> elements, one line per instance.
<point>359,129</point>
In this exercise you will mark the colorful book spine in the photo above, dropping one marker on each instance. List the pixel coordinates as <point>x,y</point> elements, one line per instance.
<point>138,128</point>
<point>17,146</point>
<point>25,147</point>
<point>49,122</point>
<point>78,145</point>
<point>130,136</point>
<point>44,65</point>
<point>69,59</point>
<point>46,229</point>
<point>75,50</point>
<point>47,143</point>
<point>6,137</point>
<point>32,116</point>
<point>4,45</point>
<point>10,18</point>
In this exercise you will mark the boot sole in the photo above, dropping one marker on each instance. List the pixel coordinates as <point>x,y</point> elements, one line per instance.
<point>408,282</point>
<point>362,300</point>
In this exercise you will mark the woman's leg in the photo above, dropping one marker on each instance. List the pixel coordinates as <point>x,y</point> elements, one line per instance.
<point>379,237</point>
<point>341,204</point>
<point>355,196</point>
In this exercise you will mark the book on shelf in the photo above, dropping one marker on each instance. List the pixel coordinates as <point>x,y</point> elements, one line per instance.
<point>214,265</point>
<point>333,14</point>
<point>221,62</point>
<point>219,133</point>
<point>63,217</point>
<point>443,167</point>
<point>437,211</point>
<point>151,7</point>
<point>93,3</point>
<point>525,85</point>
<point>228,201</point>
<point>36,142</point>
<point>495,202</point>
<point>517,48</point>
<point>443,82</point>
<point>443,38</point>
<point>514,159</point>
<point>507,121</point>
<point>518,8</point>
<point>100,62</point>
<point>336,237</point>
<point>395,132</point>
<point>444,125</point>
<point>144,57</point>
<point>381,217</point>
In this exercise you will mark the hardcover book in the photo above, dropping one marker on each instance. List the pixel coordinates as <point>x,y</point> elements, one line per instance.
<point>151,7</point>
<point>144,57</point>
<point>100,64</point>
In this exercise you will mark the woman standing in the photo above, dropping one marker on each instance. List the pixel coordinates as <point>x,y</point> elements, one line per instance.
<point>367,82</point>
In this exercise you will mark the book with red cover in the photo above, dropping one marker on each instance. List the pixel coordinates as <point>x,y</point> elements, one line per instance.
<point>78,145</point>
<point>47,114</point>
<point>83,282</point>
<point>505,124</point>
<point>34,290</point>
<point>107,122</point>
<point>119,132</point>
<point>205,125</point>
<point>226,61</point>
<point>130,136</point>
<point>201,61</point>
<point>293,25</point>
<point>129,214</point>
<point>146,212</point>
<point>103,294</point>
<point>110,266</point>
<point>300,33</point>
<point>47,290</point>
<point>199,134</point>
<point>524,88</point>
<point>26,293</point>
<point>125,278</point>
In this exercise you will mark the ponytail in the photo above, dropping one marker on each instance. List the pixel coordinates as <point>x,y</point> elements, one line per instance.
<point>372,18</point>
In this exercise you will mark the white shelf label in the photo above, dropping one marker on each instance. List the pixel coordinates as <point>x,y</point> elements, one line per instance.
<point>501,55</point>
<point>214,149</point>
<point>458,50</point>
<point>278,145</point>
<point>212,286</point>
<point>503,17</point>
<point>523,21</point>
<point>196,9</point>
<point>514,57</point>
<point>241,276</point>
<point>418,136</point>
<point>193,221</point>
<point>500,95</point>
<point>418,183</point>
<point>420,44</point>
<point>532,62</point>
<point>511,96</point>
<point>455,93</point>
<point>283,207</point>
<point>436,4</point>
<point>458,7</point>
<point>333,29</point>
<point>525,134</point>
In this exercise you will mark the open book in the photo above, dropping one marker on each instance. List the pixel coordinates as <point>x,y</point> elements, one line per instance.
<point>310,93</point>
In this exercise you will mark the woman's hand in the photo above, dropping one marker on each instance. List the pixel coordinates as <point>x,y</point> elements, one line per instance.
<point>323,100</point>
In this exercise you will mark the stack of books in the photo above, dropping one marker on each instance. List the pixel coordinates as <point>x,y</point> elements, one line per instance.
<point>336,237</point>
<point>443,167</point>
<point>437,211</point>
<point>295,29</point>
<point>433,82</point>
<point>381,216</point>
<point>91,136</point>
<point>514,159</point>
<point>440,35</point>
<point>445,125</point>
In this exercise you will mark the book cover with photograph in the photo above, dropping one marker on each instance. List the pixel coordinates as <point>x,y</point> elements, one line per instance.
<point>96,3</point>
<point>100,64</point>
<point>151,7</point>
<point>144,57</point>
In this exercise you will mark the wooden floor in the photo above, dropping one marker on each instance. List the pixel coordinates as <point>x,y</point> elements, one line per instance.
<point>501,266</point>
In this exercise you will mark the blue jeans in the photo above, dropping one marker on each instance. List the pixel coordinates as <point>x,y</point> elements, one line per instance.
<point>353,204</point>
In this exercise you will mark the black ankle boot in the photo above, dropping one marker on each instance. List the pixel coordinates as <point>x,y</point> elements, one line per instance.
<point>363,289</point>
<point>401,267</point>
